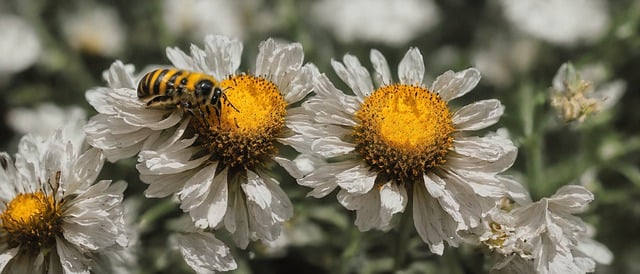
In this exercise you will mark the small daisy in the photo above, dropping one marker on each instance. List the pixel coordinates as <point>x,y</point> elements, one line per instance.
<point>53,218</point>
<point>401,143</point>
<point>389,22</point>
<point>79,29</point>
<point>46,118</point>
<point>20,40</point>
<point>573,95</point>
<point>217,165</point>
<point>545,236</point>
<point>562,22</point>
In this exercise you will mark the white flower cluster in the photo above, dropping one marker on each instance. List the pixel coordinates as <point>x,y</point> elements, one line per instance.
<point>393,146</point>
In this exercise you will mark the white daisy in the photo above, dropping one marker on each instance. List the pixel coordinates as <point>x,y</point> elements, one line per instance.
<point>574,97</point>
<point>400,143</point>
<point>390,22</point>
<point>21,41</point>
<point>542,237</point>
<point>46,118</point>
<point>194,18</point>
<point>217,165</point>
<point>79,30</point>
<point>563,22</point>
<point>53,217</point>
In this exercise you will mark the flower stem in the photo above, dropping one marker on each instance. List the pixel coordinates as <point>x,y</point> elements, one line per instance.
<point>405,228</point>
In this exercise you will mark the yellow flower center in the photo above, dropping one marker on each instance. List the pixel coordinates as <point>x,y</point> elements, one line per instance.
<point>499,236</point>
<point>404,130</point>
<point>31,220</point>
<point>246,136</point>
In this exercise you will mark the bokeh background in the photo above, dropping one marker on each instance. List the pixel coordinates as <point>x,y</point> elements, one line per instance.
<point>52,52</point>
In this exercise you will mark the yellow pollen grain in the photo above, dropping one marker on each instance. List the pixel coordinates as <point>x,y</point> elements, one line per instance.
<point>403,130</point>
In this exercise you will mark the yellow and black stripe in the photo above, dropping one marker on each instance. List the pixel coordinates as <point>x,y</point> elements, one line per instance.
<point>168,87</point>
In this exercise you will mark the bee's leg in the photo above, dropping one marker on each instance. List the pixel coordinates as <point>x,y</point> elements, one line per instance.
<point>229,102</point>
<point>161,101</point>
<point>217,109</point>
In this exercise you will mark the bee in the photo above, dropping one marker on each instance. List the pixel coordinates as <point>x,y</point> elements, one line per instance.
<point>175,88</point>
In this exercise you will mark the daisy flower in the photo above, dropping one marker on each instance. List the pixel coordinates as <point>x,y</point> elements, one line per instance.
<point>543,236</point>
<point>217,165</point>
<point>380,21</point>
<point>400,143</point>
<point>574,97</point>
<point>53,218</point>
<point>79,30</point>
<point>562,22</point>
<point>21,40</point>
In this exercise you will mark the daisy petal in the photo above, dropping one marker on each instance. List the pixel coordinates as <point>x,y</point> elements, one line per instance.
<point>393,199</point>
<point>411,68</point>
<point>452,85</point>
<point>331,147</point>
<point>204,252</point>
<point>478,115</point>
<point>381,67</point>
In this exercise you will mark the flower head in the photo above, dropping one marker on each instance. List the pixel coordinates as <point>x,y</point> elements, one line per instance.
<point>53,218</point>
<point>79,29</point>
<point>21,40</point>
<point>216,159</point>
<point>402,141</point>
<point>574,98</point>
<point>562,22</point>
<point>542,236</point>
<point>389,22</point>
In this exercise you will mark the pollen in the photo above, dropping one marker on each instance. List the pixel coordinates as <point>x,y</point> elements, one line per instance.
<point>31,220</point>
<point>403,130</point>
<point>252,116</point>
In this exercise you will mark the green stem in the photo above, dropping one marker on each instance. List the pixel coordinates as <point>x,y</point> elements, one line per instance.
<point>535,168</point>
<point>405,228</point>
<point>350,251</point>
<point>160,210</point>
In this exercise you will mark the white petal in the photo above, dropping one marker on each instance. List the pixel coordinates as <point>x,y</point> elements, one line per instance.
<point>331,146</point>
<point>180,59</point>
<point>72,260</point>
<point>381,67</point>
<point>256,191</point>
<point>357,180</point>
<point>354,75</point>
<point>595,250</point>
<point>452,85</point>
<point>119,75</point>
<point>393,199</point>
<point>223,55</point>
<point>301,84</point>
<point>236,220</point>
<point>478,115</point>
<point>491,154</point>
<point>7,256</point>
<point>204,253</point>
<point>164,185</point>
<point>367,207</point>
<point>432,225</point>
<point>571,198</point>
<point>411,68</point>
<point>516,190</point>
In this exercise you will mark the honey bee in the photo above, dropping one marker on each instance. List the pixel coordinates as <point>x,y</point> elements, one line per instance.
<point>175,88</point>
